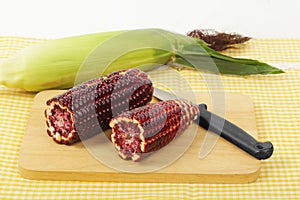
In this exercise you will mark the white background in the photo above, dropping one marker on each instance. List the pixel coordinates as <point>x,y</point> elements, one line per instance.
<point>60,18</point>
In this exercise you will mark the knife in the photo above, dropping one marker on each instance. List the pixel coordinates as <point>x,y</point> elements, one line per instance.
<point>226,129</point>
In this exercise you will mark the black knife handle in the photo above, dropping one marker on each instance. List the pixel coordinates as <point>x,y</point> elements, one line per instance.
<point>234,134</point>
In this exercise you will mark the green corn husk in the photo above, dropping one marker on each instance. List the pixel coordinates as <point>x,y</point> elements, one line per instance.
<point>226,64</point>
<point>61,63</point>
<point>49,64</point>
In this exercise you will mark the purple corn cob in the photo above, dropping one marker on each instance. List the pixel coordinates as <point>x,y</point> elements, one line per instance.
<point>86,109</point>
<point>141,131</point>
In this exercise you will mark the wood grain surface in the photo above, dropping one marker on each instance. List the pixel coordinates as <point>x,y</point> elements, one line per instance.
<point>42,158</point>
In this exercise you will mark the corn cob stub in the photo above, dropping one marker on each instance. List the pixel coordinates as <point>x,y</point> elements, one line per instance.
<point>86,109</point>
<point>141,131</point>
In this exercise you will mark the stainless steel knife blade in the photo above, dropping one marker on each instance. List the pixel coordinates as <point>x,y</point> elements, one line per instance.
<point>163,95</point>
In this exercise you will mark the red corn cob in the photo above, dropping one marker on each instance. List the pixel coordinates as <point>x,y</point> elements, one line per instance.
<point>140,131</point>
<point>86,109</point>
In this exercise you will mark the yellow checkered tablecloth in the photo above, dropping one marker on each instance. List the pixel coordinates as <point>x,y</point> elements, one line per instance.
<point>277,109</point>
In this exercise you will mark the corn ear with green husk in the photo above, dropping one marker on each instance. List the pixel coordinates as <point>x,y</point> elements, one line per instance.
<point>50,64</point>
<point>61,63</point>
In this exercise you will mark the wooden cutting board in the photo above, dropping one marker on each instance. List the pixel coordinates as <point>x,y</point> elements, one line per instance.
<point>42,158</point>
